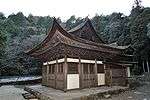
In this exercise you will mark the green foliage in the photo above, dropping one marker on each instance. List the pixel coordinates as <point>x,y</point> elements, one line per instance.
<point>2,42</point>
<point>22,32</point>
<point>138,30</point>
<point>72,22</point>
<point>2,48</point>
<point>99,22</point>
<point>25,32</point>
<point>19,19</point>
<point>2,17</point>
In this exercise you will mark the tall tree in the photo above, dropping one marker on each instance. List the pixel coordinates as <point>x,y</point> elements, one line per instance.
<point>2,16</point>
<point>2,45</point>
<point>19,19</point>
<point>137,3</point>
<point>70,22</point>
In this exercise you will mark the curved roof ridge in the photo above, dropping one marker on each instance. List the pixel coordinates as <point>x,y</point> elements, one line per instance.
<point>44,40</point>
<point>80,26</point>
<point>56,26</point>
<point>76,38</point>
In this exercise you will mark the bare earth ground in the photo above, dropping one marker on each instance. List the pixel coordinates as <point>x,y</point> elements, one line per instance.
<point>10,92</point>
<point>141,93</point>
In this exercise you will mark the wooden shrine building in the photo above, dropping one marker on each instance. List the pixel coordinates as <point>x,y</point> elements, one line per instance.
<point>78,58</point>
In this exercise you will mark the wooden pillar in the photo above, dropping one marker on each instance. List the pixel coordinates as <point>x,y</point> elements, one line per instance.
<point>107,74</point>
<point>88,76</point>
<point>128,72</point>
<point>47,74</point>
<point>47,69</point>
<point>80,73</point>
<point>110,77</point>
<point>55,73</point>
<point>147,66</point>
<point>143,67</point>
<point>95,71</point>
<point>65,73</point>
<point>44,75</point>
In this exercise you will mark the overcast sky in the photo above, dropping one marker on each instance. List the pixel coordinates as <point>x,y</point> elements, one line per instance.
<point>66,8</point>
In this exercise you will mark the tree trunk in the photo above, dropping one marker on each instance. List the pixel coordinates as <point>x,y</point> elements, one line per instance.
<point>143,67</point>
<point>147,66</point>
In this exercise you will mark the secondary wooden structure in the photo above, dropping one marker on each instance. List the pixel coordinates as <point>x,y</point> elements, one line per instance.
<point>78,58</point>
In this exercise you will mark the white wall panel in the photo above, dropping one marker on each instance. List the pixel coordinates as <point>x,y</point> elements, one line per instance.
<point>72,81</point>
<point>101,79</point>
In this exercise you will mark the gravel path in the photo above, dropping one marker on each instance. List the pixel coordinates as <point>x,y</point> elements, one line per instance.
<point>141,93</point>
<point>10,92</point>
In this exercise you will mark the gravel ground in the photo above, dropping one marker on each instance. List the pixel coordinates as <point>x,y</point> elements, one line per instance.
<point>140,93</point>
<point>10,92</point>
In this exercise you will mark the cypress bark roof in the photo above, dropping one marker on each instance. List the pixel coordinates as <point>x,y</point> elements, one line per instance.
<point>86,31</point>
<point>59,43</point>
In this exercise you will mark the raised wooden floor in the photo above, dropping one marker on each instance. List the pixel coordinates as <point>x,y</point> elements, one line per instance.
<point>46,93</point>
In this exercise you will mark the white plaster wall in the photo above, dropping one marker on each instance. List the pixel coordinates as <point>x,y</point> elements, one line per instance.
<point>99,62</point>
<point>45,63</point>
<point>101,79</point>
<point>61,60</point>
<point>72,81</point>
<point>73,60</point>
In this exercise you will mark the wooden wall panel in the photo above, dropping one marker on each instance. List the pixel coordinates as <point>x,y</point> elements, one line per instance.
<point>60,83</point>
<point>115,75</point>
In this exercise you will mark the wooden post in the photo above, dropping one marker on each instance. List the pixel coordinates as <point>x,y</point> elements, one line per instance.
<point>65,73</point>
<point>42,74</point>
<point>88,76</point>
<point>128,71</point>
<point>105,72</point>
<point>143,67</point>
<point>147,66</point>
<point>47,74</point>
<point>47,69</point>
<point>80,73</point>
<point>95,71</point>
<point>110,77</point>
<point>55,73</point>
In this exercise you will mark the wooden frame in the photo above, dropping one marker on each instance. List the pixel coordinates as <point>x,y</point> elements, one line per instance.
<point>86,80</point>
